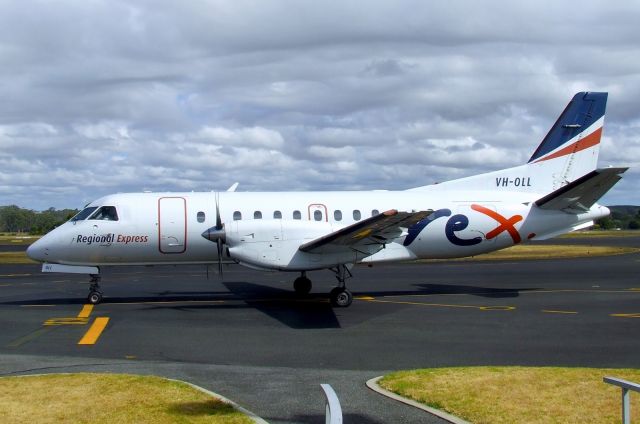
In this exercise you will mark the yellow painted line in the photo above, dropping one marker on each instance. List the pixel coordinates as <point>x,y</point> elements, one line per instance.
<point>15,275</point>
<point>130,357</point>
<point>65,321</point>
<point>444,305</point>
<point>29,337</point>
<point>636,315</point>
<point>634,289</point>
<point>365,298</point>
<point>94,332</point>
<point>5,285</point>
<point>86,311</point>
<point>550,311</point>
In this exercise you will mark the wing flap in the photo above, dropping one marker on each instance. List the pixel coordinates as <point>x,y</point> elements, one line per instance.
<point>367,236</point>
<point>579,195</point>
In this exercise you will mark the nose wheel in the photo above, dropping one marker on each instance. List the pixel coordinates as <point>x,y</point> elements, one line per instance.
<point>95,295</point>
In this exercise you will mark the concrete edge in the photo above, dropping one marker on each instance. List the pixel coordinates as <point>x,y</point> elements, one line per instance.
<point>256,419</point>
<point>373,385</point>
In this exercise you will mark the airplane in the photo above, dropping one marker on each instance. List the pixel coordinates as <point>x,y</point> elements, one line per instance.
<point>555,192</point>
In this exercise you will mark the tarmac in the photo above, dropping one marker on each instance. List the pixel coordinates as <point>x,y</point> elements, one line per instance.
<point>251,339</point>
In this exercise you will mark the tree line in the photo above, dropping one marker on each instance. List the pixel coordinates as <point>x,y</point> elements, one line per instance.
<point>14,219</point>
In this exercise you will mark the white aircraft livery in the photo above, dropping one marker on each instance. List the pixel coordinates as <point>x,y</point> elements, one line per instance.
<point>555,192</point>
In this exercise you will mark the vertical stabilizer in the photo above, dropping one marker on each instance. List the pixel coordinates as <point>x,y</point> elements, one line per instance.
<point>573,143</point>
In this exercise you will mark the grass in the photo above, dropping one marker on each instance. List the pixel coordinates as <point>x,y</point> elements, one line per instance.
<point>601,233</point>
<point>15,258</point>
<point>17,239</point>
<point>109,398</point>
<point>518,394</point>
<point>550,251</point>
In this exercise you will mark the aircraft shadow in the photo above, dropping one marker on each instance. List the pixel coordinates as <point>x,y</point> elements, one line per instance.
<point>286,306</point>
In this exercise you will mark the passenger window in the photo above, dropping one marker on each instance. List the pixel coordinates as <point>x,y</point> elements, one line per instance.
<point>82,215</point>
<point>105,213</point>
<point>337,215</point>
<point>375,212</point>
<point>317,215</point>
<point>297,215</point>
<point>200,216</point>
<point>237,216</point>
<point>277,215</point>
<point>257,215</point>
<point>356,215</point>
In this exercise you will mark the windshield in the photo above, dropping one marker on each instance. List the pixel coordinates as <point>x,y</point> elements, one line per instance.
<point>105,213</point>
<point>82,215</point>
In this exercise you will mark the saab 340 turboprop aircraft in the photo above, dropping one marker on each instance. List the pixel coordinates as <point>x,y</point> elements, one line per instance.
<point>555,192</point>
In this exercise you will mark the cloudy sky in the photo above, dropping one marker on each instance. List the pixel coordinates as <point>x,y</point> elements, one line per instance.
<point>104,96</point>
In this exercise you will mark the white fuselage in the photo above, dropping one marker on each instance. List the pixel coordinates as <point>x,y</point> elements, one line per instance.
<point>265,230</point>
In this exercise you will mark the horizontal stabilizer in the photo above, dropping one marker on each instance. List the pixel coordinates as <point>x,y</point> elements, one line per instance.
<point>579,195</point>
<point>367,236</point>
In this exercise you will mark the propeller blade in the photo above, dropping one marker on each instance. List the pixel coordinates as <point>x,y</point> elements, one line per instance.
<point>220,250</point>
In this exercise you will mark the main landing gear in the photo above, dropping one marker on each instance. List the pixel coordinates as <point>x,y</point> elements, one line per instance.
<point>302,285</point>
<point>95,295</point>
<point>339,296</point>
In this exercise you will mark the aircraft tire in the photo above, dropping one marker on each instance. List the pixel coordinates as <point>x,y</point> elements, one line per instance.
<point>302,285</point>
<point>341,297</point>
<point>94,297</point>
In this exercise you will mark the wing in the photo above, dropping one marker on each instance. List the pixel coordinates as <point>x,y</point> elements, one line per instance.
<point>367,236</point>
<point>579,195</point>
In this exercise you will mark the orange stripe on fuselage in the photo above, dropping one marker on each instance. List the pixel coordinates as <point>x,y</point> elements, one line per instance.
<point>589,141</point>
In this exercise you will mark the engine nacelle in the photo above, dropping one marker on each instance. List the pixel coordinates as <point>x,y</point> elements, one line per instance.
<point>273,244</point>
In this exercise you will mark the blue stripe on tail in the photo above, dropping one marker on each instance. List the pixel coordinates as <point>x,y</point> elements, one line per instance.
<point>583,110</point>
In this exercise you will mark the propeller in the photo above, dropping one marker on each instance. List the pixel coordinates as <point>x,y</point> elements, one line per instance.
<point>217,234</point>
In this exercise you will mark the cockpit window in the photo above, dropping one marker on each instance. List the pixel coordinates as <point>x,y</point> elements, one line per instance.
<point>105,213</point>
<point>83,214</point>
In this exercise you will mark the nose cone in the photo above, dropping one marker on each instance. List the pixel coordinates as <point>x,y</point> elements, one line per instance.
<point>37,251</point>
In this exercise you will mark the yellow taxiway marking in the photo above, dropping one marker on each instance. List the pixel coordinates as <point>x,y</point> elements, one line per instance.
<point>5,285</point>
<point>441,305</point>
<point>29,337</point>
<point>65,321</point>
<point>86,311</point>
<point>550,311</point>
<point>636,315</point>
<point>15,275</point>
<point>94,331</point>
<point>365,298</point>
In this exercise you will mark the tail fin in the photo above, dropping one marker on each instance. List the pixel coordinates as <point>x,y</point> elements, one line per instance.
<point>577,131</point>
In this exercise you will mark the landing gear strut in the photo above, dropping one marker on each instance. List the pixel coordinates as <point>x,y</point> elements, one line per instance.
<point>95,295</point>
<point>302,285</point>
<point>340,296</point>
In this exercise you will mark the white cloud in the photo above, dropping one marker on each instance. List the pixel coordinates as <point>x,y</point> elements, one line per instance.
<point>293,96</point>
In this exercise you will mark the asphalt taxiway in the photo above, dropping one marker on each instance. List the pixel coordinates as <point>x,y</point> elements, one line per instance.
<point>251,339</point>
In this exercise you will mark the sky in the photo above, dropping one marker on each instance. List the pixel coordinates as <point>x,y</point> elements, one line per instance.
<point>108,96</point>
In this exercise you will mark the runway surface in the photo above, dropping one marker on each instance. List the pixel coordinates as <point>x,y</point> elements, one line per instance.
<point>252,340</point>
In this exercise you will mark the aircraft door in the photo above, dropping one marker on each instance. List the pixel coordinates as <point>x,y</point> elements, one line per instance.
<point>318,212</point>
<point>172,224</point>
